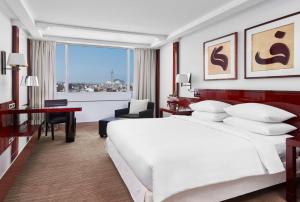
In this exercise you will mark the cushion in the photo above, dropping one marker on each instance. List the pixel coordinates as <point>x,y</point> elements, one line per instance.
<point>136,106</point>
<point>209,116</point>
<point>209,106</point>
<point>259,112</point>
<point>129,116</point>
<point>262,128</point>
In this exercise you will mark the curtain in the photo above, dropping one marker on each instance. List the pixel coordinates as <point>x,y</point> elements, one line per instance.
<point>43,66</point>
<point>144,74</point>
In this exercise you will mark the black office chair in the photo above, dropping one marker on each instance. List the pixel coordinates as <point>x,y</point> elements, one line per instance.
<point>54,118</point>
<point>124,113</point>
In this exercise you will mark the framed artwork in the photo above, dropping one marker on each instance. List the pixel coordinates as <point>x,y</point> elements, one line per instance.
<point>272,48</point>
<point>220,58</point>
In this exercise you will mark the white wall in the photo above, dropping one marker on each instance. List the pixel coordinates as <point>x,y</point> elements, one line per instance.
<point>22,74</point>
<point>23,70</point>
<point>191,51</point>
<point>5,45</point>
<point>166,72</point>
<point>96,106</point>
<point>6,83</point>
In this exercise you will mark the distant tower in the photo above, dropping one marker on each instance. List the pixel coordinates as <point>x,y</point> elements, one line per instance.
<point>112,76</point>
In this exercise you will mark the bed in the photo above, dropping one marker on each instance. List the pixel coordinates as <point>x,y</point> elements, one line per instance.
<point>182,159</point>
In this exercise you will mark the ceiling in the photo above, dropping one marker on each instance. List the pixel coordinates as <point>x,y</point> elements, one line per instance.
<point>144,23</point>
<point>146,16</point>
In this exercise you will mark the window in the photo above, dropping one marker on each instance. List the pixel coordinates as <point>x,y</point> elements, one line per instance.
<point>81,68</point>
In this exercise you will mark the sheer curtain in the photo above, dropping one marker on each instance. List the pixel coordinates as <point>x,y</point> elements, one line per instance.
<point>43,66</point>
<point>144,74</point>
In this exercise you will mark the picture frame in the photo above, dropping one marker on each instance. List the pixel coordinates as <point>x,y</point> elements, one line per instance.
<point>271,48</point>
<point>220,57</point>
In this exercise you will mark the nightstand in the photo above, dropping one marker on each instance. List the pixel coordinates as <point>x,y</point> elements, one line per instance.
<point>175,112</point>
<point>291,145</point>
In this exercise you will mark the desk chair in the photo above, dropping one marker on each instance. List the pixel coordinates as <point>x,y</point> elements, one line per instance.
<point>54,118</point>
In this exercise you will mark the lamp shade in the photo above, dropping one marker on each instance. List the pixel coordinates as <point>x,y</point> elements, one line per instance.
<point>182,78</point>
<point>30,81</point>
<point>17,59</point>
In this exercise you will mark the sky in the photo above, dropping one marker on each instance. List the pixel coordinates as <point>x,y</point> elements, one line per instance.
<point>92,64</point>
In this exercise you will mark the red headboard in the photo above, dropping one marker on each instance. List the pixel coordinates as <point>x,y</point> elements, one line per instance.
<point>287,100</point>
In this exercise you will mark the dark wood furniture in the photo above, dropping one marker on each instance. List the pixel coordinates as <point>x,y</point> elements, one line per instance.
<point>124,113</point>
<point>103,125</point>
<point>54,118</point>
<point>176,55</point>
<point>9,142</point>
<point>186,111</point>
<point>70,124</point>
<point>291,183</point>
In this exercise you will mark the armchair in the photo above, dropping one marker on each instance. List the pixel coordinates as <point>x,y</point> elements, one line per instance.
<point>124,113</point>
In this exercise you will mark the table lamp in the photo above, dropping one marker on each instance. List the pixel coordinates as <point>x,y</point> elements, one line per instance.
<point>30,81</point>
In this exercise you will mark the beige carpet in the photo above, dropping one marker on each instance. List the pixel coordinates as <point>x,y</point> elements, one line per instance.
<point>79,171</point>
<point>82,171</point>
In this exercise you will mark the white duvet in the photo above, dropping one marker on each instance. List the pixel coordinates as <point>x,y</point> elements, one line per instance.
<point>184,153</point>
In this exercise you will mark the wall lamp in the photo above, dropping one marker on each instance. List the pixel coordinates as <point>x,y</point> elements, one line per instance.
<point>184,80</point>
<point>15,60</point>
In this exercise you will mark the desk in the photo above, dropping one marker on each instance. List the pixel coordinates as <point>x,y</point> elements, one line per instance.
<point>186,111</point>
<point>26,130</point>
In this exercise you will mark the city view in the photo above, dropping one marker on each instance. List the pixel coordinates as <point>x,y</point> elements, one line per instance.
<point>93,69</point>
<point>112,85</point>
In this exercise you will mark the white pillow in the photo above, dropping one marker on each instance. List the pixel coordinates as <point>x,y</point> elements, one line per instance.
<point>260,127</point>
<point>209,106</point>
<point>209,116</point>
<point>259,112</point>
<point>137,106</point>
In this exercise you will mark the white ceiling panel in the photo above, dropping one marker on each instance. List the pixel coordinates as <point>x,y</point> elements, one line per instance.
<point>97,35</point>
<point>149,23</point>
<point>146,16</point>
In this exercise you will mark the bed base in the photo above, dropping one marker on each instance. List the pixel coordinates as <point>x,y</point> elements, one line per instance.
<point>211,193</point>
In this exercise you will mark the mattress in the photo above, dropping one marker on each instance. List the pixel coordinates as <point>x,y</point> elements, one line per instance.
<point>143,170</point>
<point>146,177</point>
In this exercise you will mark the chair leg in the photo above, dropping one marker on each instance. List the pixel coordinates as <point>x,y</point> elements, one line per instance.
<point>46,124</point>
<point>52,131</point>
<point>40,130</point>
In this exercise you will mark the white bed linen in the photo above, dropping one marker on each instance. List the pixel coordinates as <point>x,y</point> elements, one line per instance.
<point>212,193</point>
<point>185,153</point>
<point>278,141</point>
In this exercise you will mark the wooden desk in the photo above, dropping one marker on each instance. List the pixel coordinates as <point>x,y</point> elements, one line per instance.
<point>26,130</point>
<point>175,112</point>
<point>291,145</point>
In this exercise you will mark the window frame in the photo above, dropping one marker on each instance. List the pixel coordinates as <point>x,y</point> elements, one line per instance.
<point>66,72</point>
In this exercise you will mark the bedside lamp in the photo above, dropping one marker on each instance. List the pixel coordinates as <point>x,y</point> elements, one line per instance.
<point>16,59</point>
<point>184,80</point>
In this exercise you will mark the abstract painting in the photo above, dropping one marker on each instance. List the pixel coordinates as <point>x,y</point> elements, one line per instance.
<point>270,48</point>
<point>220,58</point>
